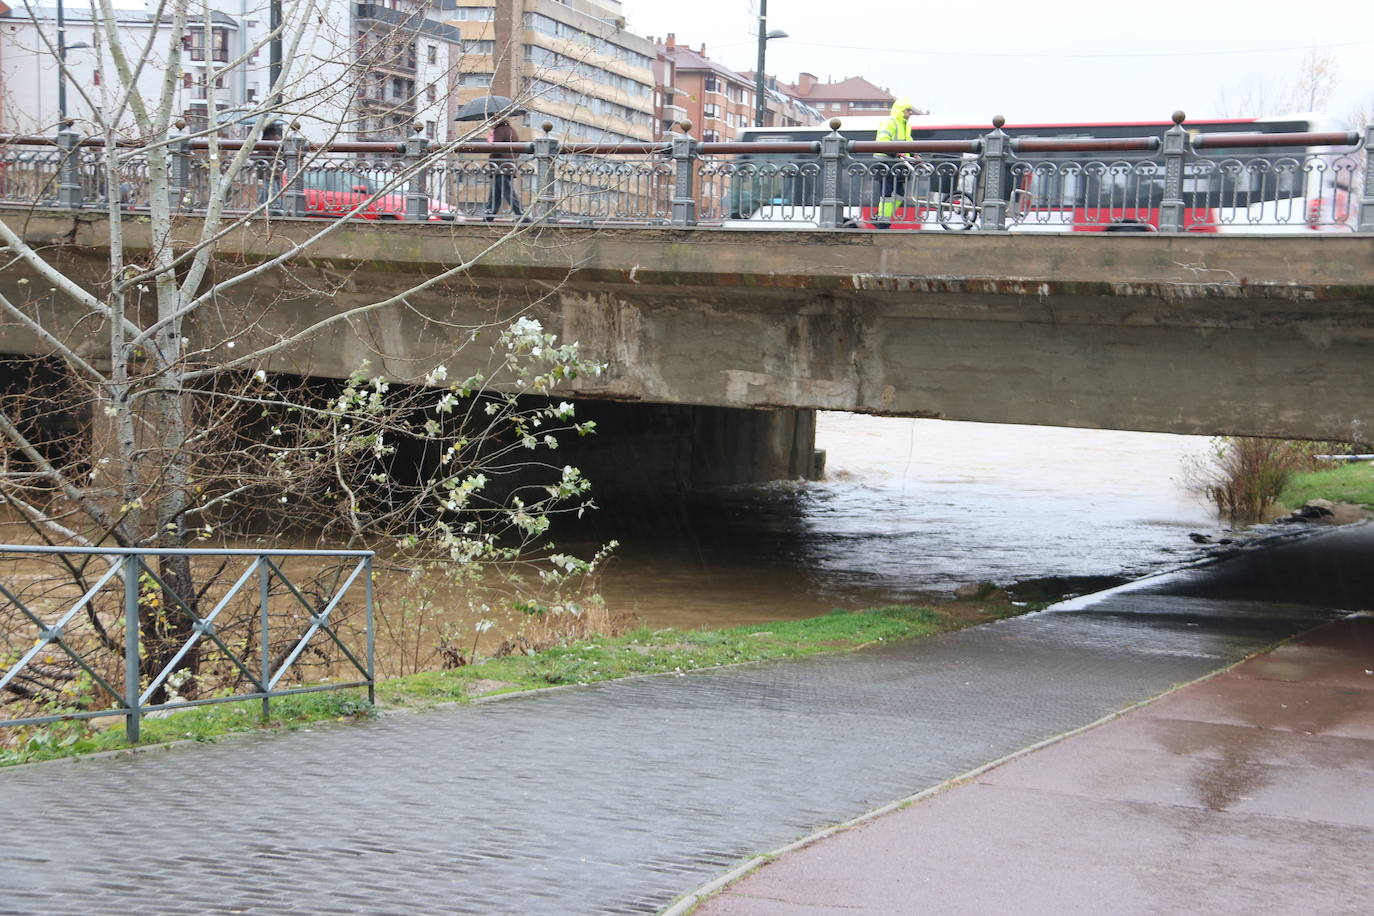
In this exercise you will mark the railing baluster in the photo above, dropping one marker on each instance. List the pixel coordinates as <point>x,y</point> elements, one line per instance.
<point>417,196</point>
<point>685,163</point>
<point>1175,148</point>
<point>545,159</point>
<point>293,156</point>
<point>994,210</point>
<point>1366,223</point>
<point>834,150</point>
<point>69,177</point>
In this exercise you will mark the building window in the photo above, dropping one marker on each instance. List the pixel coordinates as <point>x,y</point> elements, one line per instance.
<point>96,78</point>
<point>194,42</point>
<point>710,136</point>
<point>471,14</point>
<point>711,111</point>
<point>474,79</point>
<point>431,93</point>
<point>711,84</point>
<point>432,54</point>
<point>431,129</point>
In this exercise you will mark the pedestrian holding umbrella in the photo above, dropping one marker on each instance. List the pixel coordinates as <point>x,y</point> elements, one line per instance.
<point>500,108</point>
<point>486,107</point>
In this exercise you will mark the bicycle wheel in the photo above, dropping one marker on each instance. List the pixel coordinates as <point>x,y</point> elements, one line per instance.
<point>957,213</point>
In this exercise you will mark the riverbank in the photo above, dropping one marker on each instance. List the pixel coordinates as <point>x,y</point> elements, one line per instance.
<point>638,652</point>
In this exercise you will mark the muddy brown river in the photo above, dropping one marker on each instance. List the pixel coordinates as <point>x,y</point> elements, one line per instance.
<point>909,510</point>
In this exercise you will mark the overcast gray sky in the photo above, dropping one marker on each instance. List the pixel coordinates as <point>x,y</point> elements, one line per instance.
<point>1051,60</point>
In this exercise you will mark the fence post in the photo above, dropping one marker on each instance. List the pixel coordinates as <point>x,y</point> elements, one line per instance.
<point>179,185</point>
<point>834,150</point>
<point>371,633</point>
<point>69,174</point>
<point>684,171</point>
<point>545,154</point>
<point>132,684</point>
<point>994,208</point>
<point>1366,223</point>
<point>293,156</point>
<point>417,195</point>
<point>264,637</point>
<point>1171,204</point>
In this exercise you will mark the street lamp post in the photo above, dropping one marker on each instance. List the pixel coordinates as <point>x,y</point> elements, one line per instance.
<point>759,80</point>
<point>61,67</point>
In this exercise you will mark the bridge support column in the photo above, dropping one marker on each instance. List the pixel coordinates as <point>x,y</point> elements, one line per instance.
<point>678,448</point>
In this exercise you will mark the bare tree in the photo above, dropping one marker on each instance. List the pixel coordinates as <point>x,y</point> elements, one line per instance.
<point>179,431</point>
<point>1308,88</point>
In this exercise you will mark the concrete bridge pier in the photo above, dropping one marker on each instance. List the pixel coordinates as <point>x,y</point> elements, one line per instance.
<point>677,448</point>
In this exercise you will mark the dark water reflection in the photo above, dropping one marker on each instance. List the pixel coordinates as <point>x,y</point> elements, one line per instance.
<point>911,509</point>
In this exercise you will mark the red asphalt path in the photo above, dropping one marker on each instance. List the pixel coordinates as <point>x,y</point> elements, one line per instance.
<point>1249,792</point>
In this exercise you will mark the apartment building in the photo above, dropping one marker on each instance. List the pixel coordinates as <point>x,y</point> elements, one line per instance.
<point>852,96</point>
<point>403,60</point>
<point>569,63</point>
<point>781,108</point>
<point>719,101</point>
<point>365,71</point>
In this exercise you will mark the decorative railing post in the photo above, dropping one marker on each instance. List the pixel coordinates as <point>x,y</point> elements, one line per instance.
<point>684,171</point>
<point>417,194</point>
<point>293,149</point>
<point>69,174</point>
<point>545,173</point>
<point>179,181</point>
<point>834,150</point>
<point>132,685</point>
<point>1366,223</point>
<point>1175,148</point>
<point>994,208</point>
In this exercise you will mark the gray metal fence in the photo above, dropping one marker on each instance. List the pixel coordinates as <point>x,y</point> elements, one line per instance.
<point>1175,182</point>
<point>75,641</point>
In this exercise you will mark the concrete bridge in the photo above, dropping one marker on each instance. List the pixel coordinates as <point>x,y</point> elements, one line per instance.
<point>735,335</point>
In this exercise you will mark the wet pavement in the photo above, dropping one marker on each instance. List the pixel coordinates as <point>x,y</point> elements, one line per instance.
<point>1249,792</point>
<point>619,798</point>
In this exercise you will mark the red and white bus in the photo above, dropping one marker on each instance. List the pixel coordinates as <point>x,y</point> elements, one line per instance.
<point>1225,189</point>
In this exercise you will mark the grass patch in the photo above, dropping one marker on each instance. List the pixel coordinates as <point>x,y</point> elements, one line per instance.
<point>1347,483</point>
<point>204,723</point>
<point>585,661</point>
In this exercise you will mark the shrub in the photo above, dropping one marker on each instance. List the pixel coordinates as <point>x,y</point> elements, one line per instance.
<point>1247,474</point>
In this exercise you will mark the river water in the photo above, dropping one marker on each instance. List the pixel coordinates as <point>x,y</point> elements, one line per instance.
<point>910,510</point>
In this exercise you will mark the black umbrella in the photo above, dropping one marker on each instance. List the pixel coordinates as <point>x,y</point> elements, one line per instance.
<point>487,107</point>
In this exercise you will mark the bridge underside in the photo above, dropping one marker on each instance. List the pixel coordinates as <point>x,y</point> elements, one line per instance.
<point>1251,335</point>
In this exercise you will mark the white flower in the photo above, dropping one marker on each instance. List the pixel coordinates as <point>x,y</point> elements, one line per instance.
<point>260,375</point>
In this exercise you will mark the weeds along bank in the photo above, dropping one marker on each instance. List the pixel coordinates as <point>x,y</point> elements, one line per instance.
<point>1248,479</point>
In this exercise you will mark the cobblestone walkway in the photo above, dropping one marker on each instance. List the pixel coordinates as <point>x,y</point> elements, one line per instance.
<point>608,799</point>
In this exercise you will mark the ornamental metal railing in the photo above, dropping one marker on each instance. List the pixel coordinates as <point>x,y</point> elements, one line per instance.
<point>1179,181</point>
<point>120,639</point>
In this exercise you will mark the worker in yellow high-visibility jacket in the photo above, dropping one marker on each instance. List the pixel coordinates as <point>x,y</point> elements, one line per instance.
<point>889,178</point>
